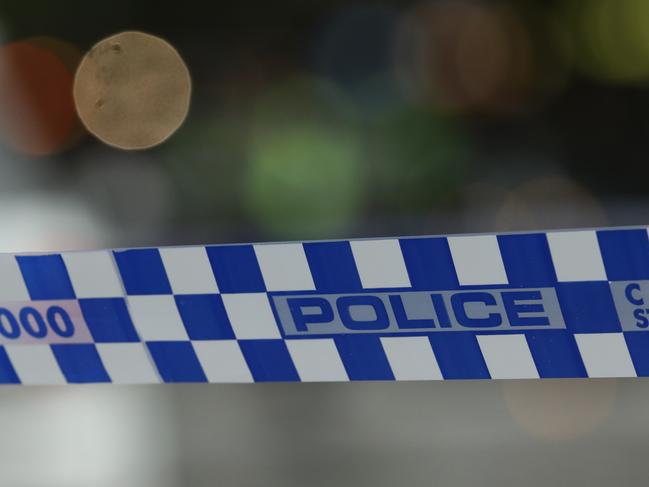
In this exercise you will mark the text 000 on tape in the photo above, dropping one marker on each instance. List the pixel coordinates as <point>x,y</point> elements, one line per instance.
<point>522,305</point>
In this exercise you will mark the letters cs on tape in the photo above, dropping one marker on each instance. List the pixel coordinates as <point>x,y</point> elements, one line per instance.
<point>524,305</point>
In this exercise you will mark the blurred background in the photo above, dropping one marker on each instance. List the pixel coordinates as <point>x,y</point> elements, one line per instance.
<point>329,119</point>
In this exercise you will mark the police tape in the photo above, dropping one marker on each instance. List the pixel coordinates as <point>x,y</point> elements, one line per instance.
<point>523,305</point>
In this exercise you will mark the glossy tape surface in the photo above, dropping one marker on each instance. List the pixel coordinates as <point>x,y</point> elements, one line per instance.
<point>524,305</point>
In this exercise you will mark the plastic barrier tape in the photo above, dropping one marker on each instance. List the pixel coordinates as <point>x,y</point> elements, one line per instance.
<point>524,305</point>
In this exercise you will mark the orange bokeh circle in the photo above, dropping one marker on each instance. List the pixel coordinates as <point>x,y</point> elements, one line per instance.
<point>37,113</point>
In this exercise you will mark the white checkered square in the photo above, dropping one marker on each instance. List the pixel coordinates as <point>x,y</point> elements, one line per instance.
<point>317,360</point>
<point>93,274</point>
<point>477,260</point>
<point>156,318</point>
<point>605,355</point>
<point>12,284</point>
<point>127,363</point>
<point>35,364</point>
<point>189,270</point>
<point>284,267</point>
<point>222,361</point>
<point>411,358</point>
<point>507,357</point>
<point>251,316</point>
<point>380,263</point>
<point>576,256</point>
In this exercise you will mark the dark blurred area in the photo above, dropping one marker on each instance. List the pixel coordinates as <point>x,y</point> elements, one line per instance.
<point>329,119</point>
<point>332,119</point>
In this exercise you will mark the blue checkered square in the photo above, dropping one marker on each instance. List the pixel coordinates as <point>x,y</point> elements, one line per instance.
<point>332,266</point>
<point>527,260</point>
<point>458,355</point>
<point>429,263</point>
<point>269,360</point>
<point>80,363</point>
<point>555,354</point>
<point>204,317</point>
<point>176,361</point>
<point>625,254</point>
<point>46,276</point>
<point>588,307</point>
<point>363,357</point>
<point>7,372</point>
<point>108,320</point>
<point>142,271</point>
<point>236,269</point>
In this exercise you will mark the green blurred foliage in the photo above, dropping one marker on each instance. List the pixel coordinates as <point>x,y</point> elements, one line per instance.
<point>610,38</point>
<point>418,159</point>
<point>305,173</point>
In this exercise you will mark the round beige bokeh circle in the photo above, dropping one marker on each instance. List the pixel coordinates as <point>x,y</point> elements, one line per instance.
<point>560,409</point>
<point>132,90</point>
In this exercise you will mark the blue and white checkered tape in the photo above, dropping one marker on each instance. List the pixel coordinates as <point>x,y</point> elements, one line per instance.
<point>524,305</point>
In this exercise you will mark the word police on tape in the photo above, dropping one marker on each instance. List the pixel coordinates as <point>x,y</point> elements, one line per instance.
<point>569,303</point>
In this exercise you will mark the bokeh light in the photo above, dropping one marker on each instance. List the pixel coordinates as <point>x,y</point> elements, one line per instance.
<point>548,202</point>
<point>132,90</point>
<point>417,159</point>
<point>465,56</point>
<point>113,434</point>
<point>305,173</point>
<point>560,410</point>
<point>354,50</point>
<point>70,55</point>
<point>37,114</point>
<point>40,222</point>
<point>610,38</point>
